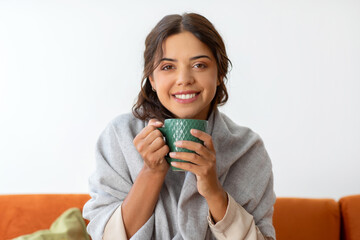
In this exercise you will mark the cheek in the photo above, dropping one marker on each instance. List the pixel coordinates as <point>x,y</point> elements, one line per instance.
<point>163,87</point>
<point>211,81</point>
<point>158,81</point>
<point>163,84</point>
<point>212,85</point>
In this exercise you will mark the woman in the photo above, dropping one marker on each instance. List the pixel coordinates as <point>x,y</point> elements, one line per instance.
<point>226,191</point>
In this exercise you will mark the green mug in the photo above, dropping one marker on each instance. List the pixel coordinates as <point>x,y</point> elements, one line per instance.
<point>176,129</point>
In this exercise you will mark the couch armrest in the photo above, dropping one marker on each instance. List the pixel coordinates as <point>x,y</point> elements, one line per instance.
<point>310,219</point>
<point>24,214</point>
<point>350,216</point>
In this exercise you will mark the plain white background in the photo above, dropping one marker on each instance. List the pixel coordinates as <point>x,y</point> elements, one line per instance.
<point>69,67</point>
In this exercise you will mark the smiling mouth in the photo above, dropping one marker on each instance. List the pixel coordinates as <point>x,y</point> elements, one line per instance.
<point>186,96</point>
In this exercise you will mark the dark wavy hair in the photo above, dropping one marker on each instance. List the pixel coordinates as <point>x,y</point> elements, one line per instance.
<point>148,105</point>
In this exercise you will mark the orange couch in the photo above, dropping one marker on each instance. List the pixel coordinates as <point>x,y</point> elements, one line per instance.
<point>294,218</point>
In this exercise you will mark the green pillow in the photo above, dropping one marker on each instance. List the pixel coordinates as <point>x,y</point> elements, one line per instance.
<point>69,226</point>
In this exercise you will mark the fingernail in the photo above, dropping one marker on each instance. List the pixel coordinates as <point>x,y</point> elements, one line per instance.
<point>194,131</point>
<point>158,122</point>
<point>172,154</point>
<point>178,143</point>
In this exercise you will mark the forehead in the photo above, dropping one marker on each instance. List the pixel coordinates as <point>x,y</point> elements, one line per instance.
<point>184,45</point>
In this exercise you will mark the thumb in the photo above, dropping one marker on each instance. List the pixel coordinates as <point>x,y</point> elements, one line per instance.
<point>155,122</point>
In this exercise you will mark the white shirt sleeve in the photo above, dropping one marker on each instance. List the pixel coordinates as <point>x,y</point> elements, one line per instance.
<point>114,229</point>
<point>236,224</point>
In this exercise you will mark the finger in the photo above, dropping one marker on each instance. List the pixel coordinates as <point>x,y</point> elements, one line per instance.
<point>190,157</point>
<point>145,138</point>
<point>153,135</point>
<point>155,144</point>
<point>147,130</point>
<point>187,167</point>
<point>163,151</point>
<point>151,152</point>
<point>193,146</point>
<point>159,155</point>
<point>206,138</point>
<point>155,122</point>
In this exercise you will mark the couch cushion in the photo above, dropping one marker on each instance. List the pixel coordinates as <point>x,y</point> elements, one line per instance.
<point>350,213</point>
<point>310,219</point>
<point>25,214</point>
<point>69,226</point>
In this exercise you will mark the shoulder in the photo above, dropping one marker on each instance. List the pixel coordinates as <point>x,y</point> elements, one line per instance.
<point>235,131</point>
<point>236,144</point>
<point>126,120</point>
<point>125,125</point>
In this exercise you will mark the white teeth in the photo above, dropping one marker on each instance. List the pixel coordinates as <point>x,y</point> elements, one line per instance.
<point>185,96</point>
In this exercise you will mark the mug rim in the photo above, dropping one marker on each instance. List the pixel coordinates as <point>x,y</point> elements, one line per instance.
<point>186,119</point>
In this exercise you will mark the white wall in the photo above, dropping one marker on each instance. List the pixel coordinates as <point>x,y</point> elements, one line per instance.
<point>68,67</point>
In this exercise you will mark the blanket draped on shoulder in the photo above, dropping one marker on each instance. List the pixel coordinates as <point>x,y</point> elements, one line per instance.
<point>243,167</point>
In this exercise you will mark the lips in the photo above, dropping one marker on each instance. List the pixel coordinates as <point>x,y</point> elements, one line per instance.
<point>186,96</point>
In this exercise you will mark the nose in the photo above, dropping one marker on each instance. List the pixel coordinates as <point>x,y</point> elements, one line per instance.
<point>184,77</point>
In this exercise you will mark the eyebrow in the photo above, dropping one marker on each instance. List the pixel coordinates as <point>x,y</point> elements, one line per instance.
<point>193,58</point>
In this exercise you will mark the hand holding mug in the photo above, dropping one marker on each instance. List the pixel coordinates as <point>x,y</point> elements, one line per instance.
<point>152,148</point>
<point>201,162</point>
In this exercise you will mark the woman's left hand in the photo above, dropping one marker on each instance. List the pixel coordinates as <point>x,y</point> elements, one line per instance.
<point>202,163</point>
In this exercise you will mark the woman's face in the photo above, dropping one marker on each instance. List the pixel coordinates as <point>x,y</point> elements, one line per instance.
<point>186,78</point>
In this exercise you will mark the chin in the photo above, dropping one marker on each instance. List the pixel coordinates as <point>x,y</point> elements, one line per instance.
<point>189,116</point>
<point>191,113</point>
<point>185,116</point>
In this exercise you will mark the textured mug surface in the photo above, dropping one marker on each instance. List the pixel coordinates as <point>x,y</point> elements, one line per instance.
<point>175,129</point>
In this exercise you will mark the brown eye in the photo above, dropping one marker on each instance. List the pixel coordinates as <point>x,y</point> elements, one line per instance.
<point>167,67</point>
<point>199,65</point>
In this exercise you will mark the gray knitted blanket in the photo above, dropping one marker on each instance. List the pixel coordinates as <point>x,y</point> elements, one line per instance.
<point>243,167</point>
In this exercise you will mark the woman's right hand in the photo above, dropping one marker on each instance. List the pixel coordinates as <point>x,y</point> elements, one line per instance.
<point>148,183</point>
<point>152,148</point>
